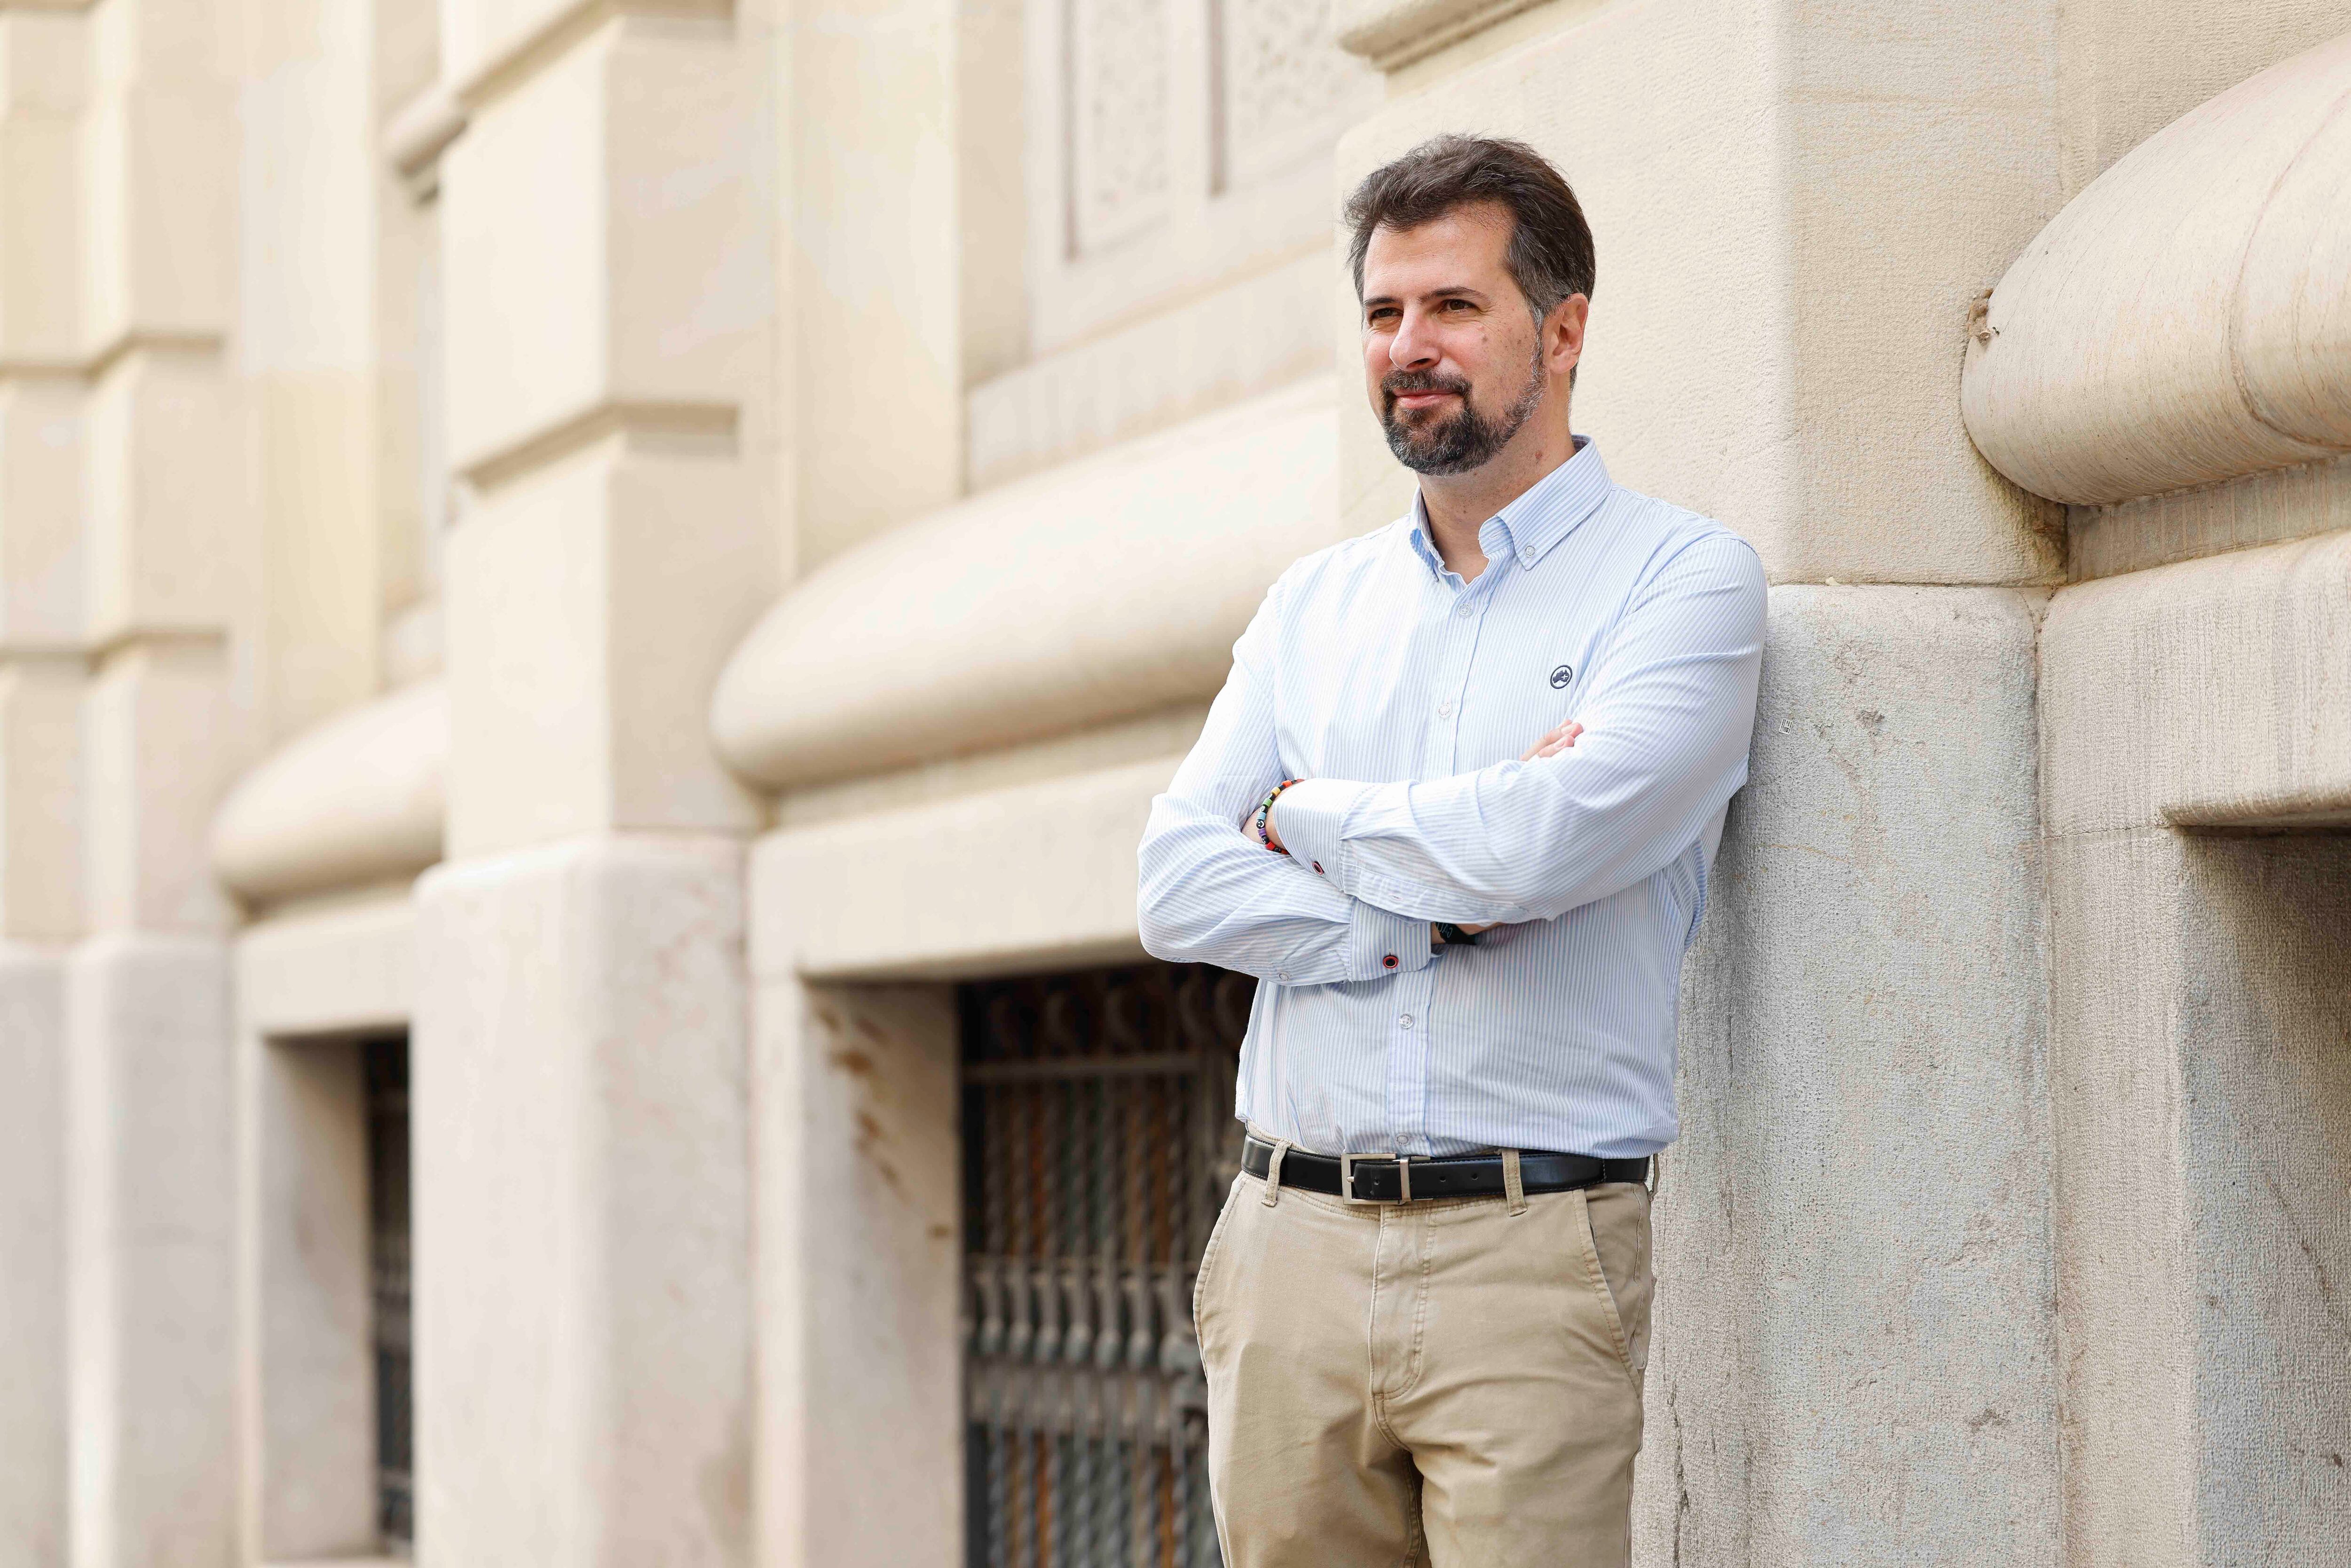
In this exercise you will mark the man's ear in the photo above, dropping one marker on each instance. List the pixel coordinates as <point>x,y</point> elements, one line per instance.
<point>1563,331</point>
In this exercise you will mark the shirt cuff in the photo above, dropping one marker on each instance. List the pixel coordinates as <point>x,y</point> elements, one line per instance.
<point>1382,942</point>
<point>1309,815</point>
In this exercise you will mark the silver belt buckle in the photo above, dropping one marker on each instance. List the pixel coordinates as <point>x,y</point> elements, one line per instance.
<point>1347,1177</point>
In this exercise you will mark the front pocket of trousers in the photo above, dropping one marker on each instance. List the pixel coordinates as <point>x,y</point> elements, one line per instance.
<point>1597,1279</point>
<point>1208,1254</point>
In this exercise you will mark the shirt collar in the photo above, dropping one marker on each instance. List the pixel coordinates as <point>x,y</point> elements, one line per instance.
<point>1547,512</point>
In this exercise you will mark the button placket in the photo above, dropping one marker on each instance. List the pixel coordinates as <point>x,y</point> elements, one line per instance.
<point>1460,647</point>
<point>1408,1060</point>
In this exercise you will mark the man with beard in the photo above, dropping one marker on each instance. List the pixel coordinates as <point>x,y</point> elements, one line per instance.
<point>1424,1309</point>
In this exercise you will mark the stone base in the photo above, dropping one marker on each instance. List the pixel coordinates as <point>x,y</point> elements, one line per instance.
<point>578,1099</point>
<point>149,1164</point>
<point>861,1274</point>
<point>1855,1352</point>
<point>33,1498</point>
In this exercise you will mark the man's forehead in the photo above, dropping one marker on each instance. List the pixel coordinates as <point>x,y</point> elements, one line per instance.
<point>1467,242</point>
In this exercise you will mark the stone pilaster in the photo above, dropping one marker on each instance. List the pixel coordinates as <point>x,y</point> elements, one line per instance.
<point>583,1313</point>
<point>120,474</point>
<point>44,72</point>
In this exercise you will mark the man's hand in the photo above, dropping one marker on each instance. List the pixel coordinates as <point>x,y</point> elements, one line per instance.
<point>1554,742</point>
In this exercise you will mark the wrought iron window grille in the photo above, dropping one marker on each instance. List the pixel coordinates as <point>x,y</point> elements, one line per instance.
<point>1099,1143</point>
<point>384,1063</point>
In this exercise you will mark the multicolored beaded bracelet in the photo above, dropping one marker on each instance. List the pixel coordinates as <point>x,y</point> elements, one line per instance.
<point>1265,809</point>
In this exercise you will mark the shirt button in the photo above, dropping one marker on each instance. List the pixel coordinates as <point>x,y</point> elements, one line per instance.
<point>1444,708</point>
<point>1282,973</point>
<point>1527,558</point>
<point>1403,1020</point>
<point>1464,611</point>
<point>1318,867</point>
<point>1389,962</point>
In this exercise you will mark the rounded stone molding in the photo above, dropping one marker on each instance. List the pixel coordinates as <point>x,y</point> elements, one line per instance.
<point>2186,319</point>
<point>1108,588</point>
<point>356,800</point>
<point>1392,34</point>
<point>421,130</point>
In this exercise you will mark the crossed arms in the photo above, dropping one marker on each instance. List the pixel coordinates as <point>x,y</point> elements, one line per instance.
<point>1665,732</point>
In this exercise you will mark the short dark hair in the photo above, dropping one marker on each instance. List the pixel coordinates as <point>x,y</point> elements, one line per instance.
<point>1550,256</point>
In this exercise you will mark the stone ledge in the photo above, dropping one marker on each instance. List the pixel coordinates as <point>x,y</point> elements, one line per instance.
<point>2180,321</point>
<point>348,965</point>
<point>2213,694</point>
<point>963,888</point>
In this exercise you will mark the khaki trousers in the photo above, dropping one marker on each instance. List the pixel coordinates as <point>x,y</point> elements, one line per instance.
<point>1454,1383</point>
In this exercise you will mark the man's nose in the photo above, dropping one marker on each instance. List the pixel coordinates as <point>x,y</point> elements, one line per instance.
<point>1414,347</point>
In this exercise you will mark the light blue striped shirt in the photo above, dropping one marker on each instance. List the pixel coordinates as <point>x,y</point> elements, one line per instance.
<point>1404,698</point>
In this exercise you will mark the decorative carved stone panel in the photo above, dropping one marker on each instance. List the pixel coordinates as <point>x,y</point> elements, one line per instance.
<point>1118,114</point>
<point>1173,147</point>
<point>1282,84</point>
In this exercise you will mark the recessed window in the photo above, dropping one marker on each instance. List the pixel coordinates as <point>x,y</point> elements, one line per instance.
<point>1099,1143</point>
<point>385,1064</point>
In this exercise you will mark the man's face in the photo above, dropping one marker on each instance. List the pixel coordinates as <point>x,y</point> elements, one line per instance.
<point>1452,357</point>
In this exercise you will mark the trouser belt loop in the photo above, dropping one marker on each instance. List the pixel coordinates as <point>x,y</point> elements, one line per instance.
<point>1513,1188</point>
<point>1273,1173</point>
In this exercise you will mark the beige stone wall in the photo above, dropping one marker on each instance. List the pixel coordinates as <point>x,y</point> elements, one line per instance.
<point>595,531</point>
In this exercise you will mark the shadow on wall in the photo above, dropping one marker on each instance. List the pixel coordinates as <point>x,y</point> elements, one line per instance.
<point>2265,1032</point>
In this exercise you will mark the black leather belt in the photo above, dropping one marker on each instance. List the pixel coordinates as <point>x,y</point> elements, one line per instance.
<point>1381,1179</point>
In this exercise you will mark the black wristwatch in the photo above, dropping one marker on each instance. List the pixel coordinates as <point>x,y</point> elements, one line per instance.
<point>1452,936</point>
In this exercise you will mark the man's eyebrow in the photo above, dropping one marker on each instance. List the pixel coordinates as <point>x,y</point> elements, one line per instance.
<point>1450,291</point>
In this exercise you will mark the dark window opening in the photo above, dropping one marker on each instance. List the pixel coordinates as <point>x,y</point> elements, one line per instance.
<point>386,1068</point>
<point>1099,1141</point>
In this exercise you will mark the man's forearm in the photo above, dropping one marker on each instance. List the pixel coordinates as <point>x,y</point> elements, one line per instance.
<point>1447,933</point>
<point>1210,895</point>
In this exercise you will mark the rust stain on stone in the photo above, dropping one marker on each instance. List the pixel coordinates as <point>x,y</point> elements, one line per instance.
<point>870,1135</point>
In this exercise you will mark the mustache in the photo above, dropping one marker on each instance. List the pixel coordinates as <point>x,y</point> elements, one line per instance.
<point>1396,383</point>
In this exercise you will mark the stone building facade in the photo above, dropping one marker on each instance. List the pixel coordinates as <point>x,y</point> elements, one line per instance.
<point>593,594</point>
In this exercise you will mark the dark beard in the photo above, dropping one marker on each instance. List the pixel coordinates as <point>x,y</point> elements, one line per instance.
<point>1462,441</point>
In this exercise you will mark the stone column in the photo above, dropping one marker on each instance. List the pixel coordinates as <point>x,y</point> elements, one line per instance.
<point>876,258</point>
<point>41,683</point>
<point>578,1082</point>
<point>166,570</point>
<point>44,73</point>
<point>854,1099</point>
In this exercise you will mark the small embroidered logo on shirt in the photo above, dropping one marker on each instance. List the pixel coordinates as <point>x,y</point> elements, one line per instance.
<point>1561,675</point>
